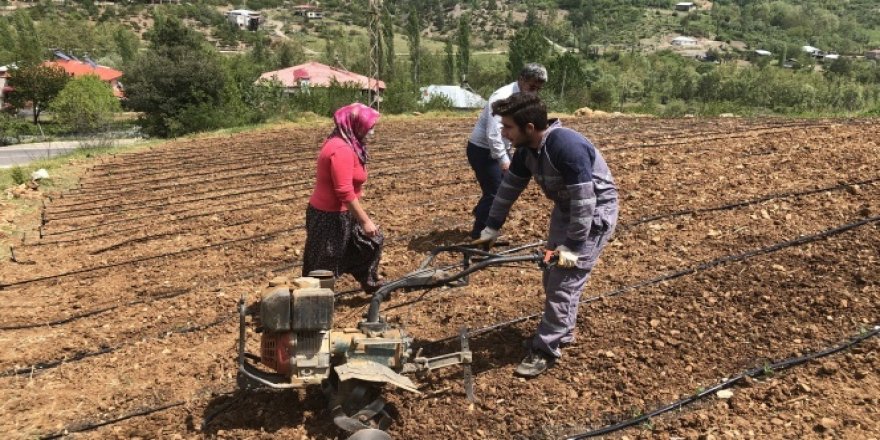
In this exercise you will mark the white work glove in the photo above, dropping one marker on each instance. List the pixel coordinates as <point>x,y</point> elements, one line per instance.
<point>487,237</point>
<point>567,258</point>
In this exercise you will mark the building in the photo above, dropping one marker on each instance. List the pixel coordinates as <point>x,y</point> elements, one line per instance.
<point>310,12</point>
<point>873,54</point>
<point>458,97</point>
<point>813,51</point>
<point>245,19</point>
<point>75,68</point>
<point>685,6</point>
<point>684,41</point>
<point>763,53</point>
<point>314,74</point>
<point>4,75</point>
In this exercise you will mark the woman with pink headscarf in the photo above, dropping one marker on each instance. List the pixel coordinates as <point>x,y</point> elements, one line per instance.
<point>340,236</point>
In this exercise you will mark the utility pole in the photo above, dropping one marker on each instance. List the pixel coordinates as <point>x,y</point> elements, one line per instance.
<point>375,51</point>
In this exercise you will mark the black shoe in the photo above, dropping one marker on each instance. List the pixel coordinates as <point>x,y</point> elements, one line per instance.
<point>535,363</point>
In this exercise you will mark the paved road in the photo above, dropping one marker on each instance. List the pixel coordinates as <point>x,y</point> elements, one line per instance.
<point>24,153</point>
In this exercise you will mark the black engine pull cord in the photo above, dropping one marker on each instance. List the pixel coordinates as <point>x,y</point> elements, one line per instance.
<point>754,372</point>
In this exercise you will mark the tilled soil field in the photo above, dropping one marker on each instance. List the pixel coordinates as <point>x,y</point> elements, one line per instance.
<point>741,243</point>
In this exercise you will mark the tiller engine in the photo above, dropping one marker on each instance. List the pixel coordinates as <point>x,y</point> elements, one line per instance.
<point>301,347</point>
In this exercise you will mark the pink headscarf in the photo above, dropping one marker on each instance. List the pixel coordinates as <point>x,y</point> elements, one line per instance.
<point>353,122</point>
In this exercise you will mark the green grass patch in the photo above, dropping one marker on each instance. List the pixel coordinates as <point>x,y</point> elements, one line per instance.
<point>61,175</point>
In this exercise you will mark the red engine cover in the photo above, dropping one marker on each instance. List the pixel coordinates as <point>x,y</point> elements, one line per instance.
<point>275,351</point>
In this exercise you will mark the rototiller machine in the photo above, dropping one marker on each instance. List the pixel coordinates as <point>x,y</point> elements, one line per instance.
<point>300,346</point>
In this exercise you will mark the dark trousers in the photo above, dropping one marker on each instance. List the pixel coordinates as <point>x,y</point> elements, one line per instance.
<point>336,242</point>
<point>489,176</point>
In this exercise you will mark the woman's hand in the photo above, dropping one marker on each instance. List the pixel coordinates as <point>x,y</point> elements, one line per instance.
<point>370,228</point>
<point>366,223</point>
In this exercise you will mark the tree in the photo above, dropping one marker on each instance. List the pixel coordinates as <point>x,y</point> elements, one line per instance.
<point>289,54</point>
<point>86,104</point>
<point>388,39</point>
<point>259,53</point>
<point>178,84</point>
<point>413,34</point>
<point>28,46</point>
<point>528,46</point>
<point>531,17</point>
<point>169,34</point>
<point>36,85</point>
<point>464,45</point>
<point>176,96</point>
<point>127,44</point>
<point>449,64</point>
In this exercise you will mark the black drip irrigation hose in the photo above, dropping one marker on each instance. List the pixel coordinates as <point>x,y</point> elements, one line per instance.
<point>304,179</point>
<point>92,426</point>
<point>703,138</point>
<point>139,413</point>
<point>151,299</point>
<point>752,373</point>
<point>136,206</point>
<point>756,200</point>
<point>47,365</point>
<point>255,238</point>
<point>678,274</point>
<point>201,213</point>
<point>216,168</point>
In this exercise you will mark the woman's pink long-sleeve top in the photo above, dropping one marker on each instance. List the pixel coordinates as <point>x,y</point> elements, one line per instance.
<point>340,176</point>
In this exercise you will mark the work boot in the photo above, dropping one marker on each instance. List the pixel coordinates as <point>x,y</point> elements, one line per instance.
<point>535,363</point>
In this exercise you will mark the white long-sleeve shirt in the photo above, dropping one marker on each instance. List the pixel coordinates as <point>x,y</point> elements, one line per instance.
<point>487,132</point>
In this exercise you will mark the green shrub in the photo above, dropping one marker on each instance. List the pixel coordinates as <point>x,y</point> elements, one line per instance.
<point>12,128</point>
<point>675,109</point>
<point>86,105</point>
<point>18,175</point>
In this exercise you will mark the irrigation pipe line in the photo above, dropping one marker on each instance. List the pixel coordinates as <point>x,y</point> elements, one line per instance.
<point>256,238</point>
<point>305,177</point>
<point>173,189</point>
<point>702,138</point>
<point>139,205</point>
<point>205,167</point>
<point>678,274</point>
<point>47,365</point>
<point>752,373</point>
<point>83,427</point>
<point>92,426</point>
<point>296,185</point>
<point>303,184</point>
<point>151,299</point>
<point>175,212</point>
<point>201,213</point>
<point>641,220</point>
<point>120,187</point>
<point>197,161</point>
<point>754,201</point>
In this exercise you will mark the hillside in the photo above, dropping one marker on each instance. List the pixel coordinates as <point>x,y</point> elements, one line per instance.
<point>641,56</point>
<point>844,27</point>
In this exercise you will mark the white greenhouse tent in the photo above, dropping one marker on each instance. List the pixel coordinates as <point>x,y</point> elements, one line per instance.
<point>459,97</point>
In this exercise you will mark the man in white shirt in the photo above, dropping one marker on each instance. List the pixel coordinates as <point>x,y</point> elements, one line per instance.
<point>487,150</point>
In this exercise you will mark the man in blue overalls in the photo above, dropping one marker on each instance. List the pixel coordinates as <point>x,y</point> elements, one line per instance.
<point>573,174</point>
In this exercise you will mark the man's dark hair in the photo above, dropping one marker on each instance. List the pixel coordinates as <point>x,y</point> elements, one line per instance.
<point>523,108</point>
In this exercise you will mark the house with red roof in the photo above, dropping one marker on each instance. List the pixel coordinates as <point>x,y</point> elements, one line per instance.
<point>314,74</point>
<point>77,68</point>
